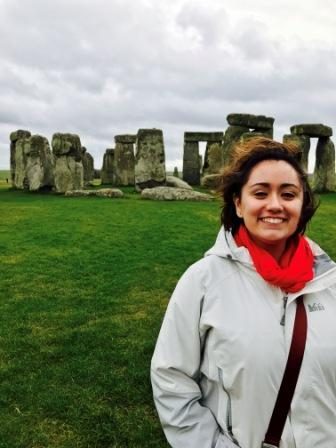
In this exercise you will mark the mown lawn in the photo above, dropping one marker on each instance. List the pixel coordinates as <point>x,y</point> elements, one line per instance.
<point>84,283</point>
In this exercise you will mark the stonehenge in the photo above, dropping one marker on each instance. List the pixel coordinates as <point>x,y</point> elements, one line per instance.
<point>68,171</point>
<point>324,178</point>
<point>243,126</point>
<point>150,170</point>
<point>138,160</point>
<point>35,167</point>
<point>32,162</point>
<point>213,158</point>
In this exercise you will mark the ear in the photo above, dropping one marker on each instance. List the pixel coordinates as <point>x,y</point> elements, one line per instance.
<point>236,201</point>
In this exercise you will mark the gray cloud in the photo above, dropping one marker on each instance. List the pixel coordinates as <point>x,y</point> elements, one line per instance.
<point>107,67</point>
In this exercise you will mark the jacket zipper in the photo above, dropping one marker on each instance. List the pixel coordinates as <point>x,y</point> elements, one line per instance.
<point>283,318</point>
<point>228,411</point>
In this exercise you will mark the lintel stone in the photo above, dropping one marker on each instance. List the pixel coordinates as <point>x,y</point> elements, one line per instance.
<point>125,138</point>
<point>203,137</point>
<point>251,121</point>
<point>312,130</point>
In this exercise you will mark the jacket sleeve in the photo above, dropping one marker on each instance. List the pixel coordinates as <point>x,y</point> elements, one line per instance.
<point>175,370</point>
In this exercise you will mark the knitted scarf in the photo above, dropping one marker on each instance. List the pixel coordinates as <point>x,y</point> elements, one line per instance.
<point>294,269</point>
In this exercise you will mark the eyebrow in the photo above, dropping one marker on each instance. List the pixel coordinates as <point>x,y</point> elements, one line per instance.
<point>266,184</point>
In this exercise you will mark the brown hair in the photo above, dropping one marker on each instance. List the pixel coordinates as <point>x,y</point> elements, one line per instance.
<point>243,158</point>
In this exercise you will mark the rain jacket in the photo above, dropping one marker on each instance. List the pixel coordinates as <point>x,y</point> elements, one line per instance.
<point>222,350</point>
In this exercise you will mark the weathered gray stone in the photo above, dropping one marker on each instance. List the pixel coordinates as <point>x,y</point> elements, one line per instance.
<point>107,171</point>
<point>213,158</point>
<point>248,135</point>
<point>124,164</point>
<point>88,166</point>
<point>14,137</point>
<point>125,138</point>
<point>67,150</point>
<point>324,178</point>
<point>231,137</point>
<point>191,163</point>
<point>203,137</point>
<point>173,181</point>
<point>150,170</point>
<point>250,121</point>
<point>211,181</point>
<point>40,164</point>
<point>102,192</point>
<point>174,194</point>
<point>312,130</point>
<point>303,143</point>
<point>34,164</point>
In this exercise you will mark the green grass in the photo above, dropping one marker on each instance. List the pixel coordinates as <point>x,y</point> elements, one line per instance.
<point>84,285</point>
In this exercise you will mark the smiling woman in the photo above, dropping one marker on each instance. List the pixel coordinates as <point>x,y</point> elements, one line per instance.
<point>238,319</point>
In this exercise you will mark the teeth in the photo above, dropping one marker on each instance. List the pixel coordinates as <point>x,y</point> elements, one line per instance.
<point>272,220</point>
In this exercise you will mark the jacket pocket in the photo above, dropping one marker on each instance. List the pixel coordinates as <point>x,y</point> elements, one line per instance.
<point>225,442</point>
<point>228,420</point>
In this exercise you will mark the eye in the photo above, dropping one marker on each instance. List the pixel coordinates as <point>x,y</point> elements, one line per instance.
<point>260,194</point>
<point>289,195</point>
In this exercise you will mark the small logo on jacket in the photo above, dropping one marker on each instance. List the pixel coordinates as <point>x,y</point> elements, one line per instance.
<point>316,307</point>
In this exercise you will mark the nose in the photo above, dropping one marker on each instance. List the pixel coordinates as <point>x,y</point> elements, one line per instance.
<point>274,202</point>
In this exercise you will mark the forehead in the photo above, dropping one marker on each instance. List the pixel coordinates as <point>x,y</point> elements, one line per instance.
<point>273,172</point>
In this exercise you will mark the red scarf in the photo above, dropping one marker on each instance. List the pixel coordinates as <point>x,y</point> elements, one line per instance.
<point>294,269</point>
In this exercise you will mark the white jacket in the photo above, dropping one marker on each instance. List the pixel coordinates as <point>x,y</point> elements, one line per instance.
<point>222,351</point>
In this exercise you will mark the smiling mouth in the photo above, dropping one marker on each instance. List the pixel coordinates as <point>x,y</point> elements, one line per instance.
<point>273,220</point>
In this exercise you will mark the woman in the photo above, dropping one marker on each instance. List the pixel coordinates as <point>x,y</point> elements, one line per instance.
<point>224,343</point>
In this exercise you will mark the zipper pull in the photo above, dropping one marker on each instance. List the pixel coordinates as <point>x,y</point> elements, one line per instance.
<point>283,318</point>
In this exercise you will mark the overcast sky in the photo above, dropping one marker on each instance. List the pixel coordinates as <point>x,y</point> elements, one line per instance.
<point>100,68</point>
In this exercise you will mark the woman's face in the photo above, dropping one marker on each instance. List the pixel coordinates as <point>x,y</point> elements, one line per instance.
<point>270,204</point>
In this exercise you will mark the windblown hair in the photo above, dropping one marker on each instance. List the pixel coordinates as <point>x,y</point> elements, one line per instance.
<point>243,158</point>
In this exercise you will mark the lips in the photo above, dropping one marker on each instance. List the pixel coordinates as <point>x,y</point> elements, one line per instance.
<point>273,220</point>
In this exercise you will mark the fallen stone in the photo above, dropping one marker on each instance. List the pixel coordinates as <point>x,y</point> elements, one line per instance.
<point>250,121</point>
<point>103,192</point>
<point>312,130</point>
<point>174,194</point>
<point>173,181</point>
<point>211,181</point>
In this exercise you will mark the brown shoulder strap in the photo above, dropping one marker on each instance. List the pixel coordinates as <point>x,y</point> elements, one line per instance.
<point>289,380</point>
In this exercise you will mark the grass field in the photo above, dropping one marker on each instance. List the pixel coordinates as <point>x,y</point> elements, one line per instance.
<point>84,285</point>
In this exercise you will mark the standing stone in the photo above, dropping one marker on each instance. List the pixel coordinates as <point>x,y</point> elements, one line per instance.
<point>231,137</point>
<point>303,143</point>
<point>324,178</point>
<point>39,163</point>
<point>88,166</point>
<point>67,150</point>
<point>213,158</point>
<point>14,137</point>
<point>191,163</point>
<point>176,173</point>
<point>150,170</point>
<point>124,163</point>
<point>107,171</point>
